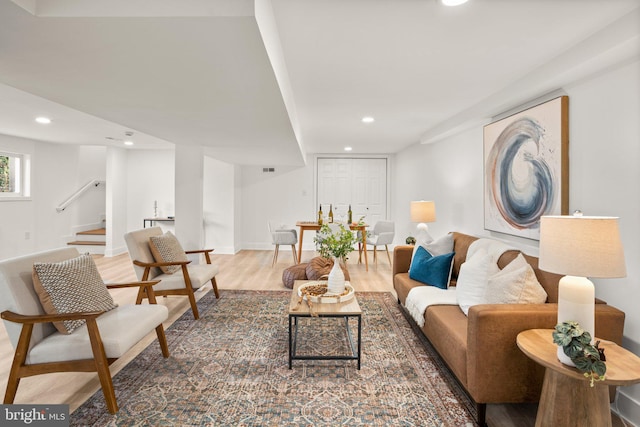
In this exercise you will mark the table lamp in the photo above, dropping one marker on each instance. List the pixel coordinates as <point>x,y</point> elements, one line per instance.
<point>580,247</point>
<point>423,212</point>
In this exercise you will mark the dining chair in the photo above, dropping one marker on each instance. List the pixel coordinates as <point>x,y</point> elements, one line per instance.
<point>382,235</point>
<point>282,235</point>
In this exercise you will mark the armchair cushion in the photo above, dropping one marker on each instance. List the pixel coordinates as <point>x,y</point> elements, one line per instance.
<point>120,329</point>
<point>167,248</point>
<point>71,286</point>
<point>199,275</point>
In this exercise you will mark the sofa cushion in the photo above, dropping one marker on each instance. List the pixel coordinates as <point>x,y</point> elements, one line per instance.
<point>431,270</point>
<point>71,286</point>
<point>473,278</point>
<point>446,327</point>
<point>516,283</point>
<point>167,248</point>
<point>461,243</point>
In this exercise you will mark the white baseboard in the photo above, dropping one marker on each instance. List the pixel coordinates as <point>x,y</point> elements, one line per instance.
<point>627,408</point>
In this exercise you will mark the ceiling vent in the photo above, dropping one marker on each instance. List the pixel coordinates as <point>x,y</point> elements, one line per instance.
<point>267,170</point>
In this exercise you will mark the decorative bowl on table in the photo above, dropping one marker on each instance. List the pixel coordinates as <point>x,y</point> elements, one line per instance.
<point>316,292</point>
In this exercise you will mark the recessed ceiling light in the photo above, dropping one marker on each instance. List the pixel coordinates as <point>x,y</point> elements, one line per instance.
<point>453,2</point>
<point>128,143</point>
<point>43,120</point>
<point>348,148</point>
<point>368,119</point>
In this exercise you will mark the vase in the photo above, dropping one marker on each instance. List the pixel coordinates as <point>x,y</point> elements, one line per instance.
<point>563,358</point>
<point>335,283</point>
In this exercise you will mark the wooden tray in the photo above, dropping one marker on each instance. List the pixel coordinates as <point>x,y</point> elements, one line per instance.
<point>327,298</point>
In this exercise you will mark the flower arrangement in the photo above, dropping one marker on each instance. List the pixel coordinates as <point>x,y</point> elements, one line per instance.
<point>335,244</point>
<point>576,344</point>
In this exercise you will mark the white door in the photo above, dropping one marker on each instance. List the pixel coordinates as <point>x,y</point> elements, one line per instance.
<point>361,183</point>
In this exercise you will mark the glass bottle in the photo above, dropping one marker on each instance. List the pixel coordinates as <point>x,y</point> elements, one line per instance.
<point>330,214</point>
<point>320,215</point>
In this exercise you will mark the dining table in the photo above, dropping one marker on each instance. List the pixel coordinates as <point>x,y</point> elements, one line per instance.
<point>314,226</point>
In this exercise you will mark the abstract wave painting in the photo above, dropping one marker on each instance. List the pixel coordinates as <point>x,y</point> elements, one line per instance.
<point>526,168</point>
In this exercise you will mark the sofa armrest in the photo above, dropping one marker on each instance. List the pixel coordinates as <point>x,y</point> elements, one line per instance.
<point>497,371</point>
<point>401,259</point>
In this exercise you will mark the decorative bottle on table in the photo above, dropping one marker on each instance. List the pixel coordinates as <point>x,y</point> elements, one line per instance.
<point>320,215</point>
<point>350,216</point>
<point>330,214</point>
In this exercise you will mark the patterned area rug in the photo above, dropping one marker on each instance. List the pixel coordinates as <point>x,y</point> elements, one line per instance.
<point>230,368</point>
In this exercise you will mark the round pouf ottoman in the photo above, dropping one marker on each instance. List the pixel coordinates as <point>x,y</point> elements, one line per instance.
<point>293,273</point>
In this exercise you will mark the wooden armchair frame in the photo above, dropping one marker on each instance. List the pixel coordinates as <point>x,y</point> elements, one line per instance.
<point>188,289</point>
<point>100,363</point>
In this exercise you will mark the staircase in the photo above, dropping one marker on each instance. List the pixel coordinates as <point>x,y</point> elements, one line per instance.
<point>92,241</point>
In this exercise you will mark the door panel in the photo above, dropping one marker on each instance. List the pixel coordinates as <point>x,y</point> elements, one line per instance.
<point>361,183</point>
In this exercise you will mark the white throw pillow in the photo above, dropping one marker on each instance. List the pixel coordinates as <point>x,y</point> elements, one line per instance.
<point>516,283</point>
<point>473,278</point>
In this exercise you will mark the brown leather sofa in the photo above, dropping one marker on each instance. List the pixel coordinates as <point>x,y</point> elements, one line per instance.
<point>481,349</point>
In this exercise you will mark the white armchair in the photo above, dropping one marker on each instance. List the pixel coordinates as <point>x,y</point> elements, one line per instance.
<point>179,283</point>
<point>41,349</point>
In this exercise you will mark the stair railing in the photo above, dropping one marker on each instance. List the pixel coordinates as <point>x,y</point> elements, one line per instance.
<point>91,184</point>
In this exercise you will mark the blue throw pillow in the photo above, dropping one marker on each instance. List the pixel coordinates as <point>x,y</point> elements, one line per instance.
<point>431,270</point>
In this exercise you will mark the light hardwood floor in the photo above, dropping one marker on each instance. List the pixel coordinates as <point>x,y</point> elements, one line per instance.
<point>250,270</point>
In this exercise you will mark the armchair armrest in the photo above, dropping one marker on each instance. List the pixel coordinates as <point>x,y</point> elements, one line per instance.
<point>199,251</point>
<point>497,371</point>
<point>159,264</point>
<point>402,259</point>
<point>206,253</point>
<point>46,318</point>
<point>147,283</point>
<point>144,286</point>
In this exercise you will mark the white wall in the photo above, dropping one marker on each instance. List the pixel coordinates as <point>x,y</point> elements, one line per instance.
<point>151,177</point>
<point>604,152</point>
<point>219,206</point>
<point>284,196</point>
<point>189,198</point>
<point>58,170</point>
<point>117,203</point>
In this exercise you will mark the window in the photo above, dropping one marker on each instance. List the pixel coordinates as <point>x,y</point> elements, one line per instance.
<point>14,177</point>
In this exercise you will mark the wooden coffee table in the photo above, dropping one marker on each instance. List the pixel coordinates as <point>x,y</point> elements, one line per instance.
<point>567,398</point>
<point>346,310</point>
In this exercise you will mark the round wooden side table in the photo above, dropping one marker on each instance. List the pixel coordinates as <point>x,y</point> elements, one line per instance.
<point>567,399</point>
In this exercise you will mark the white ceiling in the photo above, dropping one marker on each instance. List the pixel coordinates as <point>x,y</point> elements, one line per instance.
<point>266,83</point>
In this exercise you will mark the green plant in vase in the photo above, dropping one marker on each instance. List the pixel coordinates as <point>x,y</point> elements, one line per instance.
<point>576,344</point>
<point>338,243</point>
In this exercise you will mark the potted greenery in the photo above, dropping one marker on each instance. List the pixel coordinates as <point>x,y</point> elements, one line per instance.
<point>335,244</point>
<point>576,344</point>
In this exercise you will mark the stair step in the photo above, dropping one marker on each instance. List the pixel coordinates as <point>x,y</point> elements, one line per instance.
<point>87,242</point>
<point>96,232</point>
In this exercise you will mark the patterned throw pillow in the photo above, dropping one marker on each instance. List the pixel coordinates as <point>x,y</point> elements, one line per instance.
<point>71,286</point>
<point>167,248</point>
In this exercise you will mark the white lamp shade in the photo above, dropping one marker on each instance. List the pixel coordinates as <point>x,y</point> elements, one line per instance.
<point>423,211</point>
<point>585,246</point>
